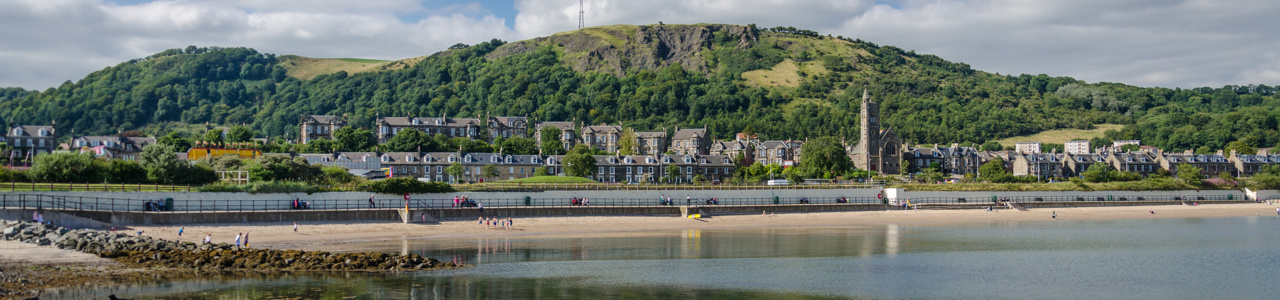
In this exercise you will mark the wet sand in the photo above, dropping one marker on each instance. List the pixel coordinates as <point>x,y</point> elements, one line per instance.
<point>327,235</point>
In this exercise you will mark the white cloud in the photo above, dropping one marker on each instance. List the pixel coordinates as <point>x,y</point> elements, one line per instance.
<point>1143,42</point>
<point>54,41</point>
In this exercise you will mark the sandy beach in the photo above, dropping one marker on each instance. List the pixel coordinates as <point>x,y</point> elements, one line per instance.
<point>325,235</point>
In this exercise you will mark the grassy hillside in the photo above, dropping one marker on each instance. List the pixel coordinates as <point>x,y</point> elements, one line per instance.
<point>306,68</point>
<point>1059,136</point>
<point>781,82</point>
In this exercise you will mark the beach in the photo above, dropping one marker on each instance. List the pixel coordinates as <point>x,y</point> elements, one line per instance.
<point>330,236</point>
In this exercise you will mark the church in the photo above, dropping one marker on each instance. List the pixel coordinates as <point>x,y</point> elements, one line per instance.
<point>878,149</point>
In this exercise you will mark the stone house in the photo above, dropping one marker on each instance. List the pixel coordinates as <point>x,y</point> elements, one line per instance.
<point>1210,164</point>
<point>731,148</point>
<point>1246,165</point>
<point>1142,162</point>
<point>651,142</point>
<point>602,137</point>
<point>507,127</point>
<point>777,152</point>
<point>567,135</point>
<point>690,141</point>
<point>1040,165</point>
<point>27,141</point>
<point>315,127</point>
<point>1076,164</point>
<point>388,127</point>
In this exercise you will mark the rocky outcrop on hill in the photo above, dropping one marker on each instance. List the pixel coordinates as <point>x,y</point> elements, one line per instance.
<point>145,251</point>
<point>614,49</point>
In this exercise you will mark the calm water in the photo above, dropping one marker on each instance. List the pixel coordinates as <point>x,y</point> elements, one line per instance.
<point>1215,258</point>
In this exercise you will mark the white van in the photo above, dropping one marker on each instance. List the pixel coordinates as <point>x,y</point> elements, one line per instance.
<point>778,182</point>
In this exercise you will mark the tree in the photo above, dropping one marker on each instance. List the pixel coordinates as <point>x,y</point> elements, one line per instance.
<point>673,172</point>
<point>213,136</point>
<point>320,146</point>
<point>520,146</point>
<point>124,171</point>
<point>579,162</point>
<point>992,146</point>
<point>1240,147</point>
<point>176,140</point>
<point>410,140</point>
<point>550,143</point>
<point>1098,172</point>
<point>992,169</point>
<point>162,164</point>
<point>1130,147</point>
<point>455,171</point>
<point>350,138</point>
<point>65,167</point>
<point>627,143</point>
<point>541,171</point>
<point>1189,174</point>
<point>824,155</point>
<point>239,134</point>
<point>489,172</point>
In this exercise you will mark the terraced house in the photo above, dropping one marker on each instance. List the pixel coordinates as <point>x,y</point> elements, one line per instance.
<point>1142,162</point>
<point>651,142</point>
<point>1210,164</point>
<point>1075,164</point>
<point>434,165</point>
<point>779,152</point>
<point>1245,165</point>
<point>652,168</point>
<point>507,127</point>
<point>951,160</point>
<point>1042,165</point>
<point>388,127</point>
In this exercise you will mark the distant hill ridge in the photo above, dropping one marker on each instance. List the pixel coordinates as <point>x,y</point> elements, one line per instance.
<point>781,82</point>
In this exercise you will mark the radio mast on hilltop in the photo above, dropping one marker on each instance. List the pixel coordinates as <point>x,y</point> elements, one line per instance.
<point>580,13</point>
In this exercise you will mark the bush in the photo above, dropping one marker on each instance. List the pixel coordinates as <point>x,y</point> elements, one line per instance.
<point>406,185</point>
<point>261,187</point>
<point>13,175</point>
<point>66,167</point>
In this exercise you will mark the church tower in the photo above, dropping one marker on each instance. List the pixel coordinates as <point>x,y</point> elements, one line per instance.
<point>870,133</point>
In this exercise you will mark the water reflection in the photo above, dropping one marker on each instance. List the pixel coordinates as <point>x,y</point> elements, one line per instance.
<point>1223,258</point>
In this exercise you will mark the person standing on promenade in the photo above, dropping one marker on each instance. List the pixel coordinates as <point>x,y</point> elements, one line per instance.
<point>480,205</point>
<point>371,200</point>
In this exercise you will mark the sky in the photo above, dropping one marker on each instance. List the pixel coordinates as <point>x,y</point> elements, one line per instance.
<point>1169,43</point>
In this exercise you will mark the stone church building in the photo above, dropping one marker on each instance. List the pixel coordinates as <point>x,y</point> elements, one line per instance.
<point>878,149</point>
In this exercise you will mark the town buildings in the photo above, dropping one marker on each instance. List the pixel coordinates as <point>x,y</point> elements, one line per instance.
<point>315,127</point>
<point>27,141</point>
<point>126,148</point>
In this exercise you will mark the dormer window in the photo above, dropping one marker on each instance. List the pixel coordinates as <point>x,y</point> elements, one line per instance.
<point>688,159</point>
<point>453,158</point>
<point>416,121</point>
<point>409,158</point>
<point>17,131</point>
<point>493,158</point>
<point>1128,159</point>
<point>534,159</point>
<point>648,160</point>
<point>507,159</point>
<point>468,158</point>
<point>666,159</point>
<point>438,121</point>
<point>613,160</point>
<point>386,158</point>
<point>630,161</point>
<point>324,158</point>
<point>1173,159</point>
<point>551,160</point>
<point>44,132</point>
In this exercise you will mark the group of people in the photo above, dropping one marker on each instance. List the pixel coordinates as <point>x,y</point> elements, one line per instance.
<point>804,200</point>
<point>575,201</point>
<point>299,204</point>
<point>464,201</point>
<point>37,217</point>
<point>152,206</point>
<point>713,201</point>
<point>496,223</point>
<point>666,200</point>
<point>842,200</point>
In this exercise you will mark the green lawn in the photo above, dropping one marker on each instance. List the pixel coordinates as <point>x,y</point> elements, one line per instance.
<point>550,179</point>
<point>361,60</point>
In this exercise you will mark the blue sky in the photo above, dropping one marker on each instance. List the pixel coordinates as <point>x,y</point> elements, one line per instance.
<point>1186,44</point>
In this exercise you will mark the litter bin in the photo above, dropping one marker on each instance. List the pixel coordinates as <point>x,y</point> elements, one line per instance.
<point>1230,196</point>
<point>527,201</point>
<point>995,199</point>
<point>168,204</point>
<point>775,200</point>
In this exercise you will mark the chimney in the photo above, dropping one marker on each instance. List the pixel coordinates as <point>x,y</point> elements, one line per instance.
<point>1233,153</point>
<point>955,145</point>
<point>1219,152</point>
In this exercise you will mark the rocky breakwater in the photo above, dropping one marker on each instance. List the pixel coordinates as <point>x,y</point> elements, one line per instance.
<point>145,251</point>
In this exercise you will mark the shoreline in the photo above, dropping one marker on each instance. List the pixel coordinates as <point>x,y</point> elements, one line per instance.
<point>331,235</point>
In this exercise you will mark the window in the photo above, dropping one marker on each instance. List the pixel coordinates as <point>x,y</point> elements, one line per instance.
<point>439,168</point>
<point>612,171</point>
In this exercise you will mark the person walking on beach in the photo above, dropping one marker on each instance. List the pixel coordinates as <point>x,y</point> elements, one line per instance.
<point>180,231</point>
<point>246,240</point>
<point>371,200</point>
<point>1055,215</point>
<point>208,238</point>
<point>237,241</point>
<point>295,226</point>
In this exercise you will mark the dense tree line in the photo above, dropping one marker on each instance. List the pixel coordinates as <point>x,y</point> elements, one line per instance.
<point>924,98</point>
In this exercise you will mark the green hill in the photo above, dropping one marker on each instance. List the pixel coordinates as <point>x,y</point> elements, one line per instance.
<point>782,82</point>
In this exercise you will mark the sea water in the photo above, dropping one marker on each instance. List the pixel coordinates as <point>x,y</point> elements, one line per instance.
<point>1191,258</point>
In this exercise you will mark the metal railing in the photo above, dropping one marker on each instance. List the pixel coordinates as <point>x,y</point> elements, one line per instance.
<point>1092,198</point>
<point>81,203</point>
<point>95,187</point>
